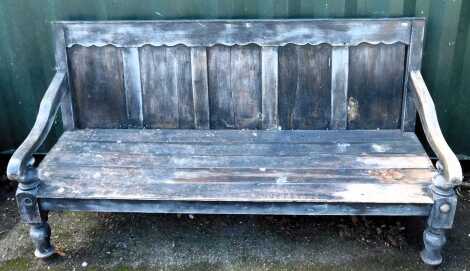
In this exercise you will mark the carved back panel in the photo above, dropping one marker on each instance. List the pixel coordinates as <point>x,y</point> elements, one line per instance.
<point>239,74</point>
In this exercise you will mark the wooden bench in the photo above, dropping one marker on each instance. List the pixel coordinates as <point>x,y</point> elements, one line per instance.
<point>291,117</point>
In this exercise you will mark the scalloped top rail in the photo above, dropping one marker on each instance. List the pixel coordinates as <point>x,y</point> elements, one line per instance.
<point>193,33</point>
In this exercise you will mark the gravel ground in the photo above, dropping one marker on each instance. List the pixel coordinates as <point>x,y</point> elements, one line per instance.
<point>89,241</point>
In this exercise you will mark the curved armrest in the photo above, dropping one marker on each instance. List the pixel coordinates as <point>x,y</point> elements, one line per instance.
<point>450,166</point>
<point>22,157</point>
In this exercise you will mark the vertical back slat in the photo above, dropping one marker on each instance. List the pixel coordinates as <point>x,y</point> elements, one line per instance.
<point>133,88</point>
<point>221,104</point>
<point>304,86</point>
<point>200,87</point>
<point>220,91</point>
<point>245,77</point>
<point>183,84</point>
<point>159,92</point>
<point>339,87</point>
<point>376,74</point>
<point>269,87</point>
<point>415,53</point>
<point>97,79</point>
<point>167,87</point>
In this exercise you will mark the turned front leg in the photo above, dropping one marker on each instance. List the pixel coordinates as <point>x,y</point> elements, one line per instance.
<point>40,231</point>
<point>441,219</point>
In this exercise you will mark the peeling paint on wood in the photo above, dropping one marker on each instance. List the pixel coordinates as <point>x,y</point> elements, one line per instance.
<point>220,169</point>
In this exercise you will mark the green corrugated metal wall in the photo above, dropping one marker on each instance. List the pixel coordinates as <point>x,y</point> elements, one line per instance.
<point>26,57</point>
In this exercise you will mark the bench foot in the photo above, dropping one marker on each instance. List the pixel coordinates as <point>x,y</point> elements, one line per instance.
<point>434,241</point>
<point>41,236</point>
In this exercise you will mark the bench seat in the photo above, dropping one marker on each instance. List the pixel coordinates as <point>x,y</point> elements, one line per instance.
<point>316,166</point>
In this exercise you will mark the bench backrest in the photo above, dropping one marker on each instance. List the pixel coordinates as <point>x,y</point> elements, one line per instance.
<point>240,74</point>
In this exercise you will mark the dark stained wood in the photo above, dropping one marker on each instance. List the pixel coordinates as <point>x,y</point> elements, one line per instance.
<point>321,161</point>
<point>328,170</point>
<point>220,91</point>
<point>239,32</point>
<point>61,60</point>
<point>304,87</point>
<point>414,57</point>
<point>238,136</point>
<point>405,146</point>
<point>245,83</point>
<point>375,91</point>
<point>242,143</point>
<point>252,208</point>
<point>159,93</point>
<point>98,86</point>
<point>235,86</point>
<point>183,81</point>
<point>269,81</point>
<point>200,86</point>
<point>231,108</point>
<point>311,79</point>
<point>339,87</point>
<point>167,87</point>
<point>277,191</point>
<point>242,175</point>
<point>133,88</point>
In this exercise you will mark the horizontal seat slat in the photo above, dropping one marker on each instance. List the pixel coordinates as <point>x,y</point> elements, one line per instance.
<point>245,166</point>
<point>211,175</point>
<point>243,191</point>
<point>240,149</point>
<point>237,136</point>
<point>323,161</point>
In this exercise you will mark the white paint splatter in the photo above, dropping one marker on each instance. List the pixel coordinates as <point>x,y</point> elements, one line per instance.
<point>342,147</point>
<point>380,148</point>
<point>281,180</point>
<point>392,193</point>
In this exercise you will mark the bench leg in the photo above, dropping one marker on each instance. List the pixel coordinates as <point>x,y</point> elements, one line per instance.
<point>439,221</point>
<point>40,233</point>
<point>31,214</point>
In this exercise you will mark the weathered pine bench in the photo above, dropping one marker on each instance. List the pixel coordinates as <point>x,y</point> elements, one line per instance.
<point>291,117</point>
